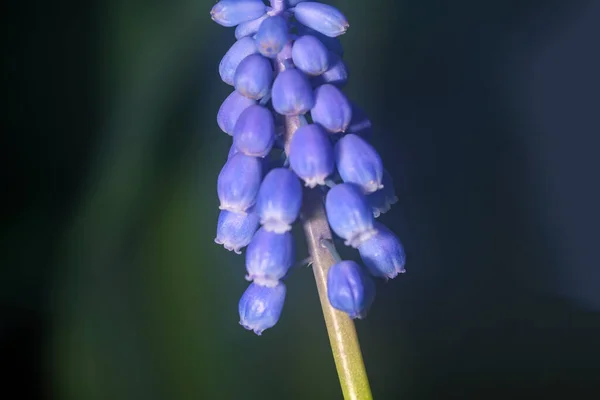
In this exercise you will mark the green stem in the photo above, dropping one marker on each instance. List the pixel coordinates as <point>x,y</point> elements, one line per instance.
<point>342,334</point>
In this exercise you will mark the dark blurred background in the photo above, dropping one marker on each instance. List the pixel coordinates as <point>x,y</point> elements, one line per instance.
<point>485,112</point>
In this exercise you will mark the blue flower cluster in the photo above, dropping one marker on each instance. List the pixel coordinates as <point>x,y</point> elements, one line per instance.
<point>287,62</point>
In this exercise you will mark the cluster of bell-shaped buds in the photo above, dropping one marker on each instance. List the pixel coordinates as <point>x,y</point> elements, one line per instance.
<point>287,62</point>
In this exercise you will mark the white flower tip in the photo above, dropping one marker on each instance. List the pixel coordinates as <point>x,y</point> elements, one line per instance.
<point>233,209</point>
<point>275,225</point>
<point>265,281</point>
<point>315,181</point>
<point>360,237</point>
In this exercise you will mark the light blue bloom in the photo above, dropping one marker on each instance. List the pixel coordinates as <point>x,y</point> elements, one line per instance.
<point>260,307</point>
<point>238,183</point>
<point>272,36</point>
<point>332,109</point>
<point>235,231</point>
<point>292,93</point>
<point>349,214</point>
<point>233,12</point>
<point>311,155</point>
<point>350,289</point>
<point>269,257</point>
<point>322,18</point>
<point>358,162</point>
<point>279,200</point>
<point>254,132</point>
<point>383,253</point>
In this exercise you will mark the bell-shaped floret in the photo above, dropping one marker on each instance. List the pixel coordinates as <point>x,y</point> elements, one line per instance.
<point>238,183</point>
<point>310,55</point>
<point>253,77</point>
<point>269,257</point>
<point>332,110</point>
<point>233,12</point>
<point>350,289</point>
<point>349,214</point>
<point>254,132</point>
<point>358,162</point>
<point>383,253</point>
<point>272,36</point>
<point>292,93</point>
<point>311,155</point>
<point>260,307</point>
<point>322,18</point>
<point>235,231</point>
<point>279,200</point>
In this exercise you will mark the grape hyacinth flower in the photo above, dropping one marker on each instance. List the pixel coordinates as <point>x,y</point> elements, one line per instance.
<point>253,77</point>
<point>349,214</point>
<point>272,36</point>
<point>358,162</point>
<point>238,183</point>
<point>292,93</point>
<point>260,306</point>
<point>332,110</point>
<point>383,253</point>
<point>350,289</point>
<point>311,155</point>
<point>235,230</point>
<point>310,55</point>
<point>254,132</point>
<point>233,12</point>
<point>322,18</point>
<point>269,256</point>
<point>291,123</point>
<point>279,200</point>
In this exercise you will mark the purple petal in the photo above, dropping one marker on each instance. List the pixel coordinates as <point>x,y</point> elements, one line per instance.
<point>358,162</point>
<point>350,289</point>
<point>311,155</point>
<point>235,231</point>
<point>254,132</point>
<point>349,214</point>
<point>322,18</point>
<point>238,183</point>
<point>279,200</point>
<point>269,257</point>
<point>310,55</point>
<point>233,12</point>
<point>383,253</point>
<point>253,77</point>
<point>272,36</point>
<point>292,93</point>
<point>332,110</point>
<point>260,307</point>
